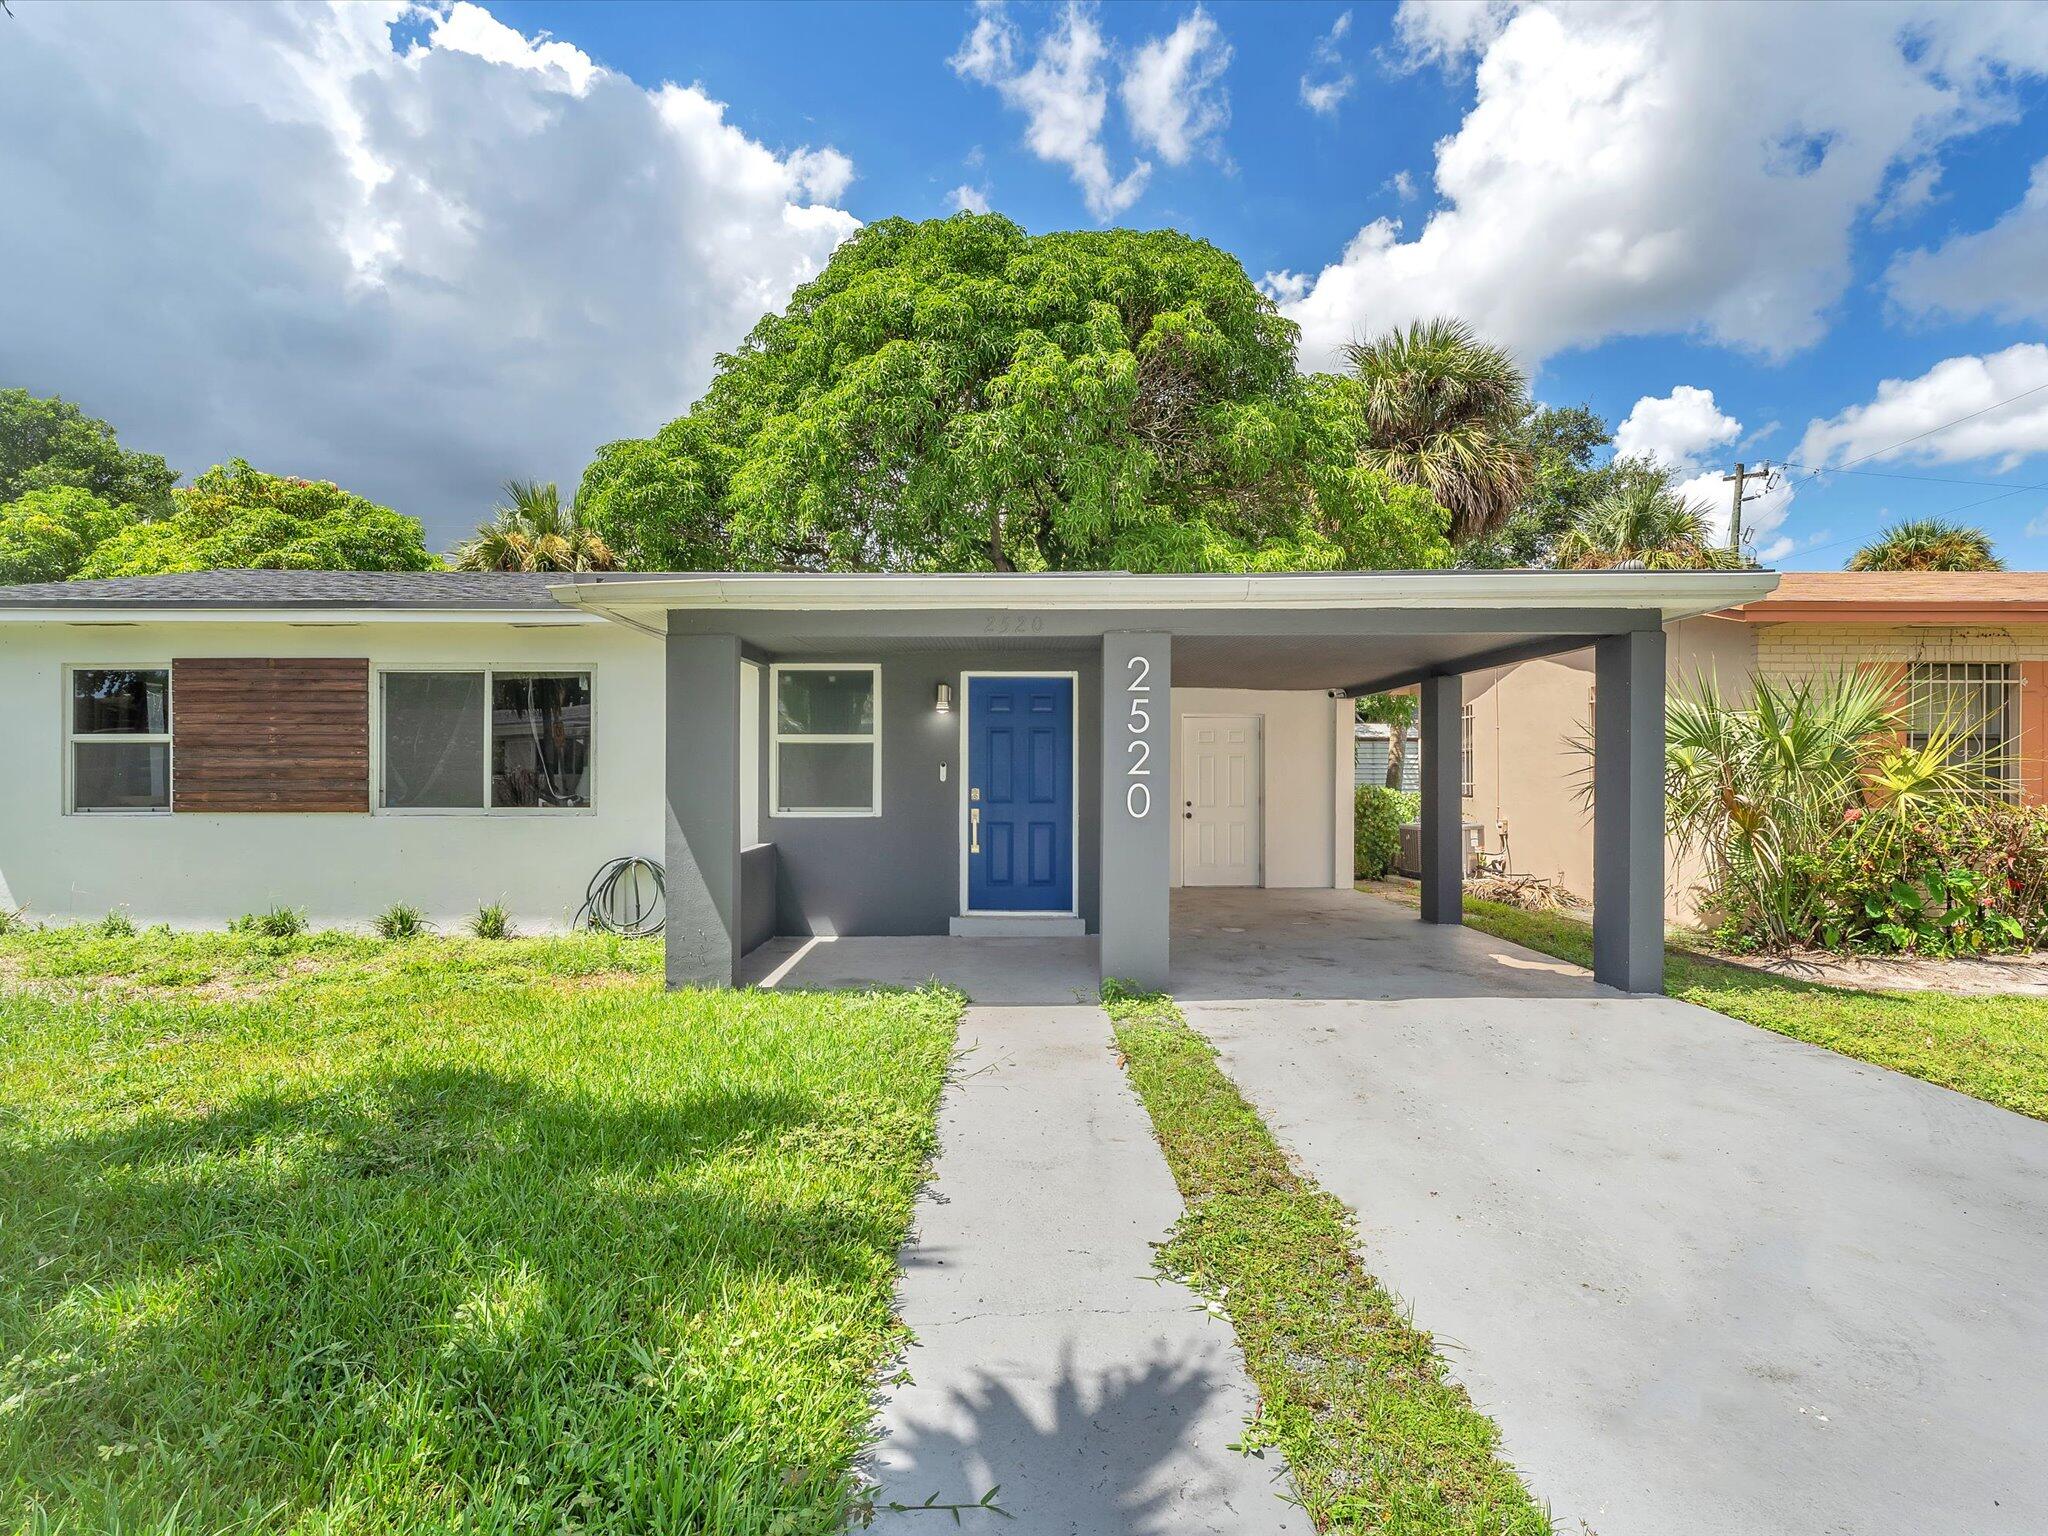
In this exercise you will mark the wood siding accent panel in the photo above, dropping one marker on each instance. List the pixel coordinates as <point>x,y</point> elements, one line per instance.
<point>270,734</point>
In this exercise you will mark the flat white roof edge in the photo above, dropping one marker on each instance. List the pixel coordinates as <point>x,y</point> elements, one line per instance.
<point>1675,594</point>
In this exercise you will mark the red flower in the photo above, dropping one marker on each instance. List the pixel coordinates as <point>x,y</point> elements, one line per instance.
<point>1852,815</point>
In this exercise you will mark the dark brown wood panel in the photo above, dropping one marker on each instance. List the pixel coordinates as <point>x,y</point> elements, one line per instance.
<point>270,733</point>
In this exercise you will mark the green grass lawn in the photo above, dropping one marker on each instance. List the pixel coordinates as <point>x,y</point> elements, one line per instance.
<point>337,1235</point>
<point>1993,1048</point>
<point>1379,1437</point>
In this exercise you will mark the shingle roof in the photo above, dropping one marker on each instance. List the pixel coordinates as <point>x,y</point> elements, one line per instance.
<point>515,590</point>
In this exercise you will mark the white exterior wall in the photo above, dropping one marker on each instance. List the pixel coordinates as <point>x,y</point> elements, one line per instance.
<point>201,870</point>
<point>1306,817</point>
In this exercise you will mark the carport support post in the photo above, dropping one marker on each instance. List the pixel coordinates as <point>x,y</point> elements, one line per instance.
<point>1628,811</point>
<point>702,936</point>
<point>1140,814</point>
<point>1443,800</point>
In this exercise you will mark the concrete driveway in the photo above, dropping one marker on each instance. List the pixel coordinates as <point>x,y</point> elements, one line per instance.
<point>1707,1279</point>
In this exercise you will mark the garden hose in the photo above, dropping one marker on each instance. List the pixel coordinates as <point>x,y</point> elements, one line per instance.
<point>628,897</point>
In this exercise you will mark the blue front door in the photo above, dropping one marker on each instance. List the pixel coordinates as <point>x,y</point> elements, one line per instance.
<point>1020,794</point>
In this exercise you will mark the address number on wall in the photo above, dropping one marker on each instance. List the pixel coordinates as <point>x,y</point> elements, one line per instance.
<point>1137,793</point>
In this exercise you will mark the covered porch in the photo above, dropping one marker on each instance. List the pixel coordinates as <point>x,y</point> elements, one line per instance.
<point>910,854</point>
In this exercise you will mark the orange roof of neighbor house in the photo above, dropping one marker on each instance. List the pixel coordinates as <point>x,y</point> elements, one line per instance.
<point>1901,597</point>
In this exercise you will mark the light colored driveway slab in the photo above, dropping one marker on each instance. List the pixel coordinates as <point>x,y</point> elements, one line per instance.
<point>1707,1279</point>
<point>1050,1361</point>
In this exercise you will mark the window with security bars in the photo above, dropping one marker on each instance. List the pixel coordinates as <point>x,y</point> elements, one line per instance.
<point>1976,702</point>
<point>1465,751</point>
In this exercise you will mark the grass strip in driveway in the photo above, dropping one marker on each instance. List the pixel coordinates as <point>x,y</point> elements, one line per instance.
<point>1994,1048</point>
<point>1379,1437</point>
<point>342,1235</point>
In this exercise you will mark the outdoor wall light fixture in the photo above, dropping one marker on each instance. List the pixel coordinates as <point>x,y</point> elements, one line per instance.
<point>944,703</point>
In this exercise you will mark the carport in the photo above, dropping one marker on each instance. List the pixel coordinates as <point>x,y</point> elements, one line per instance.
<point>1098,655</point>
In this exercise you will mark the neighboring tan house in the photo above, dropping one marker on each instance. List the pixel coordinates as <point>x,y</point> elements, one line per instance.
<point>1965,647</point>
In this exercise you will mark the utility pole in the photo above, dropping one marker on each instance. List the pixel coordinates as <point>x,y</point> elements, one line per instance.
<point>1743,473</point>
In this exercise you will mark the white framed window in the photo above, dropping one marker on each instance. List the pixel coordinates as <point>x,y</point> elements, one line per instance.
<point>1975,702</point>
<point>1465,784</point>
<point>825,746</point>
<point>117,740</point>
<point>484,740</point>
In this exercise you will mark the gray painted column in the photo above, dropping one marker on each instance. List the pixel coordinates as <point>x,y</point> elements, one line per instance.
<point>1140,814</point>
<point>1628,811</point>
<point>702,936</point>
<point>1443,800</point>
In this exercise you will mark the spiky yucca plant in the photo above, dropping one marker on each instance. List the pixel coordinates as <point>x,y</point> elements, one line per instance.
<point>1756,789</point>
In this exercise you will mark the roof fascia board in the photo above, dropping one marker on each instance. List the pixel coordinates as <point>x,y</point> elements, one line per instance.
<point>1676,596</point>
<point>1881,611</point>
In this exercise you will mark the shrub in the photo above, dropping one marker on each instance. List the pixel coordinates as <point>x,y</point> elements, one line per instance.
<point>12,920</point>
<point>401,921</point>
<point>491,922</point>
<point>1376,828</point>
<point>1821,824</point>
<point>116,925</point>
<point>277,923</point>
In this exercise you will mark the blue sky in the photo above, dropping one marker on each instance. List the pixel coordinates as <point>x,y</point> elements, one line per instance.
<point>417,250</point>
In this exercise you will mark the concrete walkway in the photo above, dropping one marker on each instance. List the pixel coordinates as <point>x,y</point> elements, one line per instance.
<point>1705,1278</point>
<point>1050,1361</point>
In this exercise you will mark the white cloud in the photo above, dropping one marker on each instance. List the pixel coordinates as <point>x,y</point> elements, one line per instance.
<point>1675,429</point>
<point>2001,271</point>
<point>967,199</point>
<point>1402,185</point>
<point>1064,96</point>
<point>1173,90</point>
<point>1608,179</point>
<point>2037,525</point>
<point>1327,81</point>
<point>1907,419</point>
<point>1681,432</point>
<point>267,231</point>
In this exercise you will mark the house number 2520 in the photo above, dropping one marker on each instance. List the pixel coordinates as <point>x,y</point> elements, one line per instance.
<point>1138,794</point>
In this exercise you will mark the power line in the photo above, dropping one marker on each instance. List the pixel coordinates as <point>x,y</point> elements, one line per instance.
<point>1814,549</point>
<point>1902,442</point>
<point>1885,474</point>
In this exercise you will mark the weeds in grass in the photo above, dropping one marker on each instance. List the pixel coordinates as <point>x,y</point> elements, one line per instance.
<point>401,921</point>
<point>1379,1437</point>
<point>492,921</point>
<point>12,920</point>
<point>278,923</point>
<point>116,925</point>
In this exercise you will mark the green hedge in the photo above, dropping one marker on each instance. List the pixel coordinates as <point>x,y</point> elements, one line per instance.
<point>1376,828</point>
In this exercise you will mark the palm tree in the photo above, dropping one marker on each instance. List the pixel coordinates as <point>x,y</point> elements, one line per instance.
<point>1443,411</point>
<point>1928,544</point>
<point>1643,521</point>
<point>535,533</point>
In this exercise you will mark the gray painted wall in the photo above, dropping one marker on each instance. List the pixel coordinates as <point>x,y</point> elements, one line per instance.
<point>757,895</point>
<point>1140,814</point>
<point>702,853</point>
<point>899,873</point>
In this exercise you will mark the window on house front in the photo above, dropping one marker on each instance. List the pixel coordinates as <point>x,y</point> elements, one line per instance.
<point>1973,701</point>
<point>485,740</point>
<point>825,758</point>
<point>119,738</point>
<point>1465,751</point>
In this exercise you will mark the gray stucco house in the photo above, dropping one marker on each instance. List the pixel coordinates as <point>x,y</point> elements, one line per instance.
<point>808,755</point>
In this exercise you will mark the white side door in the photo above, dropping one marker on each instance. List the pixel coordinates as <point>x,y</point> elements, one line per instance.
<point>1222,782</point>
